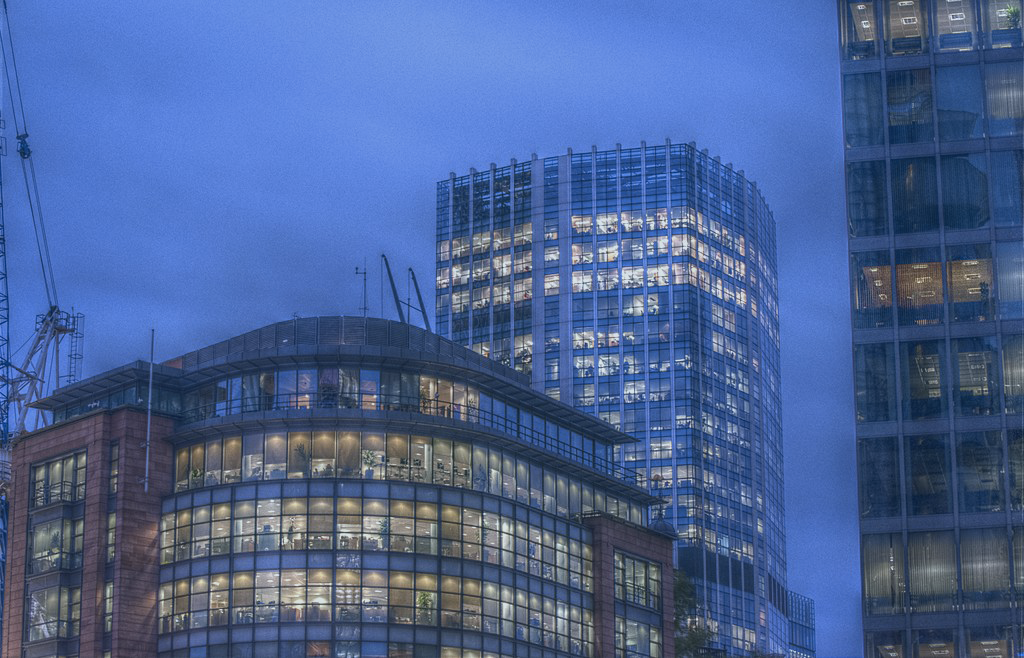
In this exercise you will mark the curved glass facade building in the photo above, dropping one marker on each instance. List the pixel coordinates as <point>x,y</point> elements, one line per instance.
<point>640,285</point>
<point>331,487</point>
<point>933,111</point>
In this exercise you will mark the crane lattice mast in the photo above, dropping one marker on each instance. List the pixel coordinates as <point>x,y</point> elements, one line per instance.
<point>39,371</point>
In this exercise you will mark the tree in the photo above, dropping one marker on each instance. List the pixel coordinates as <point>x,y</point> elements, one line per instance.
<point>1012,17</point>
<point>691,637</point>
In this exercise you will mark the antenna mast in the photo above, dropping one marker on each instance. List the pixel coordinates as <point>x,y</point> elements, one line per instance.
<point>364,308</point>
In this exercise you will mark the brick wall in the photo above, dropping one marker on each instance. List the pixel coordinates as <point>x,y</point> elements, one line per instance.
<point>137,561</point>
<point>135,568</point>
<point>611,534</point>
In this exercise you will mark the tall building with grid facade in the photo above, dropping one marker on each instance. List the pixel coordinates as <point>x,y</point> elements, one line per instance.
<point>933,104</point>
<point>639,285</point>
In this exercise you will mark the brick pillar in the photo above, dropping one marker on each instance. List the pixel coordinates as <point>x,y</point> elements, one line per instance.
<point>611,534</point>
<point>137,557</point>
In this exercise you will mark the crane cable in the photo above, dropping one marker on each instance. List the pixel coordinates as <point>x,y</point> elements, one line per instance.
<point>28,170</point>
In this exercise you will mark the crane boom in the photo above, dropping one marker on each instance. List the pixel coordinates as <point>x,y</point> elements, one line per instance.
<point>419,296</point>
<point>394,290</point>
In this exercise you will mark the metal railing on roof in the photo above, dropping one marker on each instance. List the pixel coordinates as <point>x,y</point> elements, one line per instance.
<point>417,405</point>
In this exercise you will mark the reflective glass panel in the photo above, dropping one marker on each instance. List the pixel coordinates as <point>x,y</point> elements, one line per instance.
<point>914,195</point>
<point>862,109</point>
<point>979,458</point>
<point>931,566</point>
<point>874,382</point>
<point>922,380</point>
<point>1007,176</point>
<point>1013,373</point>
<point>910,106</point>
<point>878,477</point>
<point>1004,91</point>
<point>985,568</point>
<point>929,480</point>
<point>866,198</point>
<point>965,191</point>
<point>883,571</point>
<point>1015,443</point>
<point>958,96</point>
<point>1010,279</point>
<point>976,387</point>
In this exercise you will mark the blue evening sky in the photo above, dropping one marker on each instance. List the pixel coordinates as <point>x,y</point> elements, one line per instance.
<point>210,167</point>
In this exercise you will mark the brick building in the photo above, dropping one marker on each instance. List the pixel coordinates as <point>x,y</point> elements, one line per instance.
<point>329,487</point>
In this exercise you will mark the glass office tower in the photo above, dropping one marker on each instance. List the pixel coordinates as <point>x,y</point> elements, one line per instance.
<point>639,284</point>
<point>933,104</point>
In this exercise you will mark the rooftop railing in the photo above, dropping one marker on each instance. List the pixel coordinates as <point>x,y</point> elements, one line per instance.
<point>416,405</point>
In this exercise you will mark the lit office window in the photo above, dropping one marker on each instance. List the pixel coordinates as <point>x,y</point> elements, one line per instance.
<point>1003,20</point>
<point>955,25</point>
<point>860,30</point>
<point>988,640</point>
<point>884,644</point>
<point>919,286</point>
<point>938,642</point>
<point>905,30</point>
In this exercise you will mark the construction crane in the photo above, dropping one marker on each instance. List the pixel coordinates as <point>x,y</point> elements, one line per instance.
<point>398,301</point>
<point>39,370</point>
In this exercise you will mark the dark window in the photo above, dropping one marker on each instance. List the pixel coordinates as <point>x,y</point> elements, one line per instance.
<point>878,476</point>
<point>958,96</point>
<point>965,191</point>
<point>914,195</point>
<point>910,106</point>
<point>862,109</point>
<point>928,475</point>
<point>866,198</point>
